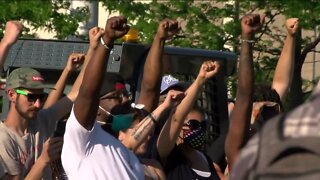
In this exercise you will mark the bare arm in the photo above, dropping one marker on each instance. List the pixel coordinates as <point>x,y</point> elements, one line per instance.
<point>150,86</point>
<point>171,130</point>
<point>74,61</point>
<point>94,41</point>
<point>240,116</point>
<point>11,35</point>
<point>144,128</point>
<point>86,104</point>
<point>284,71</point>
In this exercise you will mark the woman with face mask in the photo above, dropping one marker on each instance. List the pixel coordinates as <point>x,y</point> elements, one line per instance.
<point>183,135</point>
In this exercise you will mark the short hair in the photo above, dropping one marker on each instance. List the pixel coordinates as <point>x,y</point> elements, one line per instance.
<point>197,108</point>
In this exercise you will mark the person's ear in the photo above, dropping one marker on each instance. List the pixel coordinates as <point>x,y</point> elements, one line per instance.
<point>11,95</point>
<point>121,136</point>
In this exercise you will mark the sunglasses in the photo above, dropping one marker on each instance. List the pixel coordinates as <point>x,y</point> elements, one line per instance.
<point>32,97</point>
<point>194,124</point>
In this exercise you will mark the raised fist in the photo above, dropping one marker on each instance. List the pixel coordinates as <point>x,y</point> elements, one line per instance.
<point>12,32</point>
<point>94,36</point>
<point>167,28</point>
<point>209,69</point>
<point>292,25</point>
<point>251,23</point>
<point>115,28</point>
<point>75,60</point>
<point>173,98</point>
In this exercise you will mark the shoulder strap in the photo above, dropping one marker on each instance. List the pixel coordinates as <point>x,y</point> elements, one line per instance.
<point>214,174</point>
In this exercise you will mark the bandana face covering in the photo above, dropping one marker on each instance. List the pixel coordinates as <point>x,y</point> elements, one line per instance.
<point>195,138</point>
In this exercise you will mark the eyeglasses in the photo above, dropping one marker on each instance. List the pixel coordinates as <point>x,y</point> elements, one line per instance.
<point>114,96</point>
<point>32,97</point>
<point>194,124</point>
<point>117,96</point>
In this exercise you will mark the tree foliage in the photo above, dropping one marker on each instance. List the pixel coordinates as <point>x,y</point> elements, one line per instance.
<point>215,24</point>
<point>52,16</point>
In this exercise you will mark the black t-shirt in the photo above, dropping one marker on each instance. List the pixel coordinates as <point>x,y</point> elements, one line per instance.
<point>178,167</point>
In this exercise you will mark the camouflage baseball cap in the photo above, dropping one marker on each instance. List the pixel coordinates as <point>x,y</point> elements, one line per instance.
<point>25,78</point>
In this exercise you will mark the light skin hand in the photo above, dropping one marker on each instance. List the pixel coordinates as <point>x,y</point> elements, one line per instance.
<point>167,28</point>
<point>209,69</point>
<point>94,35</point>
<point>51,149</point>
<point>12,32</point>
<point>292,26</point>
<point>75,60</point>
<point>250,24</point>
<point>173,98</point>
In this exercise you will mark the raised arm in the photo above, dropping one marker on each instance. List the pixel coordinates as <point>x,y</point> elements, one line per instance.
<point>152,73</point>
<point>240,116</point>
<point>62,107</point>
<point>74,62</point>
<point>171,130</point>
<point>284,71</point>
<point>11,35</point>
<point>86,104</point>
<point>144,128</point>
<point>94,34</point>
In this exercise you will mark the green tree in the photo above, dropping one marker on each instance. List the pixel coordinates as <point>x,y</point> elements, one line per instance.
<point>204,26</point>
<point>51,15</point>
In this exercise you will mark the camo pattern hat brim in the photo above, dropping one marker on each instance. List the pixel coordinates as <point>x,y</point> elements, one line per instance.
<point>25,78</point>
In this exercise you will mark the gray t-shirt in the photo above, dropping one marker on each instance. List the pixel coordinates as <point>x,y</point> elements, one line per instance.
<point>20,153</point>
<point>3,169</point>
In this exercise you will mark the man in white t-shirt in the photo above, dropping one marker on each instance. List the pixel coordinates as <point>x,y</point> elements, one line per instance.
<point>88,151</point>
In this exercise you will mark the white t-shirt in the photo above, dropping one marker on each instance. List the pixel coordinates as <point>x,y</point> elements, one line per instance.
<point>95,154</point>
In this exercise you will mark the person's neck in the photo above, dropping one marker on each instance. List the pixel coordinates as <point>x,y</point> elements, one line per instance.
<point>16,122</point>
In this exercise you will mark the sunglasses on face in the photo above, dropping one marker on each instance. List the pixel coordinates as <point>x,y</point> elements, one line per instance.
<point>194,124</point>
<point>32,97</point>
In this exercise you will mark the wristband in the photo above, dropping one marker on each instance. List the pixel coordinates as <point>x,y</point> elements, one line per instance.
<point>247,41</point>
<point>104,44</point>
<point>152,118</point>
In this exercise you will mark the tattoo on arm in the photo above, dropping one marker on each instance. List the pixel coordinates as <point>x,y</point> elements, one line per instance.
<point>145,125</point>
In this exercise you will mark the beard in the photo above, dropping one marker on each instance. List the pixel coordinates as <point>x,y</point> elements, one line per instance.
<point>29,113</point>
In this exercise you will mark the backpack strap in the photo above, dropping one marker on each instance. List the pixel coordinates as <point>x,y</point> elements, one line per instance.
<point>280,155</point>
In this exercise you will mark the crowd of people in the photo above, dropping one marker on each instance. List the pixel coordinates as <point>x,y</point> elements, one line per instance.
<point>96,131</point>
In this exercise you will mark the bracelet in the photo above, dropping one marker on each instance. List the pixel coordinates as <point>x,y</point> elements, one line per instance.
<point>152,118</point>
<point>247,41</point>
<point>105,45</point>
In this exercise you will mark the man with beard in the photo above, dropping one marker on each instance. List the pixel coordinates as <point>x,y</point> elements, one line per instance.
<point>20,131</point>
